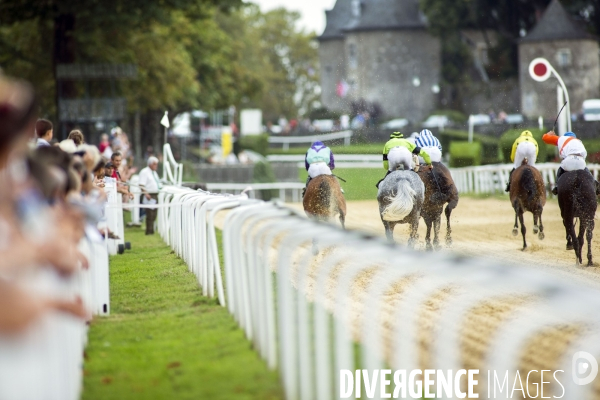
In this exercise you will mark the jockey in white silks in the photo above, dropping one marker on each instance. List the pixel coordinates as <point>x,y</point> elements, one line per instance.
<point>318,161</point>
<point>430,144</point>
<point>573,154</point>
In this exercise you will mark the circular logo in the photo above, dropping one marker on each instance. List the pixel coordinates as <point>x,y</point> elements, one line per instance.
<point>540,69</point>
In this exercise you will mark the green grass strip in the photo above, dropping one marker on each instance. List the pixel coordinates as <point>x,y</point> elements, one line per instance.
<point>163,340</point>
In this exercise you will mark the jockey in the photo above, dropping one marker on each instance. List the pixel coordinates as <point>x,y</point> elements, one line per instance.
<point>430,144</point>
<point>573,154</point>
<point>524,147</point>
<point>399,151</point>
<point>318,161</point>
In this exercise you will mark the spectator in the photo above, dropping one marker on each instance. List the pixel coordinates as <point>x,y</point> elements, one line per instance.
<point>116,159</point>
<point>108,170</point>
<point>77,136</point>
<point>104,145</point>
<point>150,185</point>
<point>44,132</point>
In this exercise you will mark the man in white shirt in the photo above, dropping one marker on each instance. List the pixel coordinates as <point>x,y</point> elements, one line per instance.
<point>150,185</point>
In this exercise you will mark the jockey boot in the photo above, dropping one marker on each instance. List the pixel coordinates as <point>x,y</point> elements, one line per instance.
<point>508,184</point>
<point>555,190</point>
<point>559,173</point>
<point>597,187</point>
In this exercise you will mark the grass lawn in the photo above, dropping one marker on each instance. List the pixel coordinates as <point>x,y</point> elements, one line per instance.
<point>360,182</point>
<point>163,340</point>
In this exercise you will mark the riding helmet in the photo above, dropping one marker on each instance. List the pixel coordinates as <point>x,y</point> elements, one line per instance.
<point>425,132</point>
<point>571,134</point>
<point>527,133</point>
<point>396,135</point>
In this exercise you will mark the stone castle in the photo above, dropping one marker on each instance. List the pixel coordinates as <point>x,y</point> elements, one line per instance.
<point>381,51</point>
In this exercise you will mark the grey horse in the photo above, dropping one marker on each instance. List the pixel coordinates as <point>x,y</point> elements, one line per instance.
<point>400,199</point>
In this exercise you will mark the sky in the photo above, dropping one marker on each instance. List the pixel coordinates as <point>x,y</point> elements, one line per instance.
<point>313,11</point>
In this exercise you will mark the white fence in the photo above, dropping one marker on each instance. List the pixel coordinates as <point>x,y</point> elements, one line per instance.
<point>282,187</point>
<point>45,362</point>
<point>341,160</point>
<point>305,312</point>
<point>172,170</point>
<point>490,179</point>
<point>286,140</point>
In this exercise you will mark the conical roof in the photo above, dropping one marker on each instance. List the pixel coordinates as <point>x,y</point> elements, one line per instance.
<point>556,24</point>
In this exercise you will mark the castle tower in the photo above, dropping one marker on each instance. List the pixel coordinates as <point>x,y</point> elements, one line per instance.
<point>572,52</point>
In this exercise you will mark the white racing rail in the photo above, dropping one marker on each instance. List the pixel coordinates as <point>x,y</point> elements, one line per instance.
<point>282,187</point>
<point>341,160</point>
<point>286,140</point>
<point>172,170</point>
<point>304,313</point>
<point>45,361</point>
<point>490,179</point>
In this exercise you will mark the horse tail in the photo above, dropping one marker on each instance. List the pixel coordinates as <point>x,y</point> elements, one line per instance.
<point>528,181</point>
<point>401,204</point>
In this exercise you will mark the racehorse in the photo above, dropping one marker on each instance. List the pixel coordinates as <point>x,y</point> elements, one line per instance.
<point>577,199</point>
<point>400,198</point>
<point>324,199</point>
<point>527,193</point>
<point>439,190</point>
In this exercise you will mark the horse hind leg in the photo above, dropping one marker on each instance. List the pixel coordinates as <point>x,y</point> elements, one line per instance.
<point>389,231</point>
<point>515,230</point>
<point>589,235</point>
<point>448,212</point>
<point>536,228</point>
<point>541,234</point>
<point>436,232</point>
<point>523,229</point>
<point>583,224</point>
<point>428,245</point>
<point>343,220</point>
<point>414,233</point>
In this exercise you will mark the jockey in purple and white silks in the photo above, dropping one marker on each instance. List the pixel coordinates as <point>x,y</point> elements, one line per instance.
<point>318,161</point>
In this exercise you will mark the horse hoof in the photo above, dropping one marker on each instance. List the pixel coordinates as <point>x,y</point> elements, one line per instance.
<point>535,229</point>
<point>570,246</point>
<point>524,248</point>
<point>428,247</point>
<point>449,241</point>
<point>515,232</point>
<point>590,264</point>
<point>541,236</point>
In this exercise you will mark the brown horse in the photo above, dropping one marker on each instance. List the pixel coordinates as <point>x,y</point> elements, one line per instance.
<point>324,199</point>
<point>527,193</point>
<point>439,190</point>
<point>577,199</point>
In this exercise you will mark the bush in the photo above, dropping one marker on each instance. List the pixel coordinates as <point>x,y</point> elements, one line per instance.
<point>490,148</point>
<point>257,143</point>
<point>465,154</point>
<point>263,173</point>
<point>546,152</point>
<point>323,113</point>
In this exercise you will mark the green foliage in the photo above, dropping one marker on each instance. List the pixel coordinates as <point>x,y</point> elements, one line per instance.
<point>490,153</point>
<point>257,143</point>
<point>162,335</point>
<point>465,154</point>
<point>263,173</point>
<point>323,113</point>
<point>546,152</point>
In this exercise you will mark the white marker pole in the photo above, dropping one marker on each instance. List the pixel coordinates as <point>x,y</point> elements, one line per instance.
<point>540,70</point>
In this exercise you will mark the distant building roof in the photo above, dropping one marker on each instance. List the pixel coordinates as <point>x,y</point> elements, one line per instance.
<point>374,15</point>
<point>556,24</point>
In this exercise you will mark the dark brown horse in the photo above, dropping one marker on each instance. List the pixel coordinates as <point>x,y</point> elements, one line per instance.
<point>439,190</point>
<point>324,199</point>
<point>527,193</point>
<point>577,199</point>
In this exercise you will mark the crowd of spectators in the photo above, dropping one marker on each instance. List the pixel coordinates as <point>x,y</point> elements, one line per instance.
<point>53,196</point>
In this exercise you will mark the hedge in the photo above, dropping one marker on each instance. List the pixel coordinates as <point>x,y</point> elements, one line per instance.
<point>465,154</point>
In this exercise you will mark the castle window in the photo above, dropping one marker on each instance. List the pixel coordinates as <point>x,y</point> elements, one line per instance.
<point>352,56</point>
<point>356,8</point>
<point>563,57</point>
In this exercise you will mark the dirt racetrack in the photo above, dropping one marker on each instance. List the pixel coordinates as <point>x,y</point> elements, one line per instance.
<point>483,227</point>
